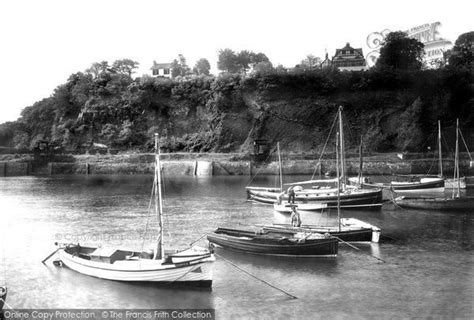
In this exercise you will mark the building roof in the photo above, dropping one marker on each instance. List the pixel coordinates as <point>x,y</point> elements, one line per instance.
<point>160,65</point>
<point>348,47</point>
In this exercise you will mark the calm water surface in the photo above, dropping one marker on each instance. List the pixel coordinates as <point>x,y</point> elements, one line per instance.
<point>428,269</point>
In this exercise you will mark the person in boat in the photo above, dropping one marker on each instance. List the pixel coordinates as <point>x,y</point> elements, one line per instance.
<point>295,217</point>
<point>291,194</point>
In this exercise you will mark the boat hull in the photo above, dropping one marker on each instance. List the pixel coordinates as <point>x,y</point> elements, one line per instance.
<point>196,270</point>
<point>445,204</point>
<point>427,185</point>
<point>248,242</point>
<point>352,199</point>
<point>453,183</point>
<point>352,230</point>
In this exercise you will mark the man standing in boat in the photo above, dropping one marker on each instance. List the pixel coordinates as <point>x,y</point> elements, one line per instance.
<point>295,217</point>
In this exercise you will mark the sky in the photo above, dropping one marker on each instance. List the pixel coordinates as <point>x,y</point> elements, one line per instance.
<point>43,42</point>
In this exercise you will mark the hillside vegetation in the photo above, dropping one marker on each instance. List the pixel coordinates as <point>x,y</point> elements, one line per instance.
<point>389,110</point>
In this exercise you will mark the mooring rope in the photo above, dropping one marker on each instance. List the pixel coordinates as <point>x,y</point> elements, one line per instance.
<point>253,276</point>
<point>358,249</point>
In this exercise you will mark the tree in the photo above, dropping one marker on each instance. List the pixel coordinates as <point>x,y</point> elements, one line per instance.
<point>227,61</point>
<point>125,66</point>
<point>263,67</point>
<point>243,61</point>
<point>179,67</point>
<point>400,52</point>
<point>98,68</point>
<point>258,57</point>
<point>202,67</point>
<point>310,62</point>
<point>463,50</point>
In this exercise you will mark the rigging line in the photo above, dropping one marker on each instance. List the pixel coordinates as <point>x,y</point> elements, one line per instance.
<point>391,192</point>
<point>324,148</point>
<point>259,169</point>
<point>253,276</point>
<point>148,215</point>
<point>8,306</point>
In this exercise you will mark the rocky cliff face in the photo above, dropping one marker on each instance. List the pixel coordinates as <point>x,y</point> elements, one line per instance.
<point>388,111</point>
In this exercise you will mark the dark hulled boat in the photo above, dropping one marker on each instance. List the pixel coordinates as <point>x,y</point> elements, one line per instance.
<point>275,242</point>
<point>351,198</point>
<point>445,204</point>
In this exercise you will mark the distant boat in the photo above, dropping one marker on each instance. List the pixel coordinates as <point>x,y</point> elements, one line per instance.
<point>193,265</point>
<point>405,183</point>
<point>455,203</point>
<point>436,203</point>
<point>412,184</point>
<point>3,296</point>
<point>310,192</point>
<point>346,229</point>
<point>275,242</point>
<point>351,230</point>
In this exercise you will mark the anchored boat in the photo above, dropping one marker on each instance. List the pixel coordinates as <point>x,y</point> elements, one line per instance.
<point>275,242</point>
<point>193,265</point>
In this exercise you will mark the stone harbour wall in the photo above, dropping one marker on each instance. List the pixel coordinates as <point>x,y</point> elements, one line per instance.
<point>217,165</point>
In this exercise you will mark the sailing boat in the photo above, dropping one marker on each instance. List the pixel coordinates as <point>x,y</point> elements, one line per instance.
<point>449,183</point>
<point>347,229</point>
<point>441,203</point>
<point>347,197</point>
<point>193,265</point>
<point>411,183</point>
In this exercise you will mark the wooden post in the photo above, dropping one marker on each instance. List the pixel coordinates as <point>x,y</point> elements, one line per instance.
<point>87,168</point>
<point>250,168</point>
<point>51,168</point>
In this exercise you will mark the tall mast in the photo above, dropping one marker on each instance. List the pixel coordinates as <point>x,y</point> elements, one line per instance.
<point>279,165</point>
<point>159,251</point>
<point>343,160</point>
<point>439,148</point>
<point>361,165</point>
<point>338,184</point>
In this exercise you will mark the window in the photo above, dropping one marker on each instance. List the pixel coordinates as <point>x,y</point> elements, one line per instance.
<point>155,72</point>
<point>166,71</point>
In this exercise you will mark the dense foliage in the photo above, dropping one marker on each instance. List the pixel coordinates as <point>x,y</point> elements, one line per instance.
<point>392,109</point>
<point>398,51</point>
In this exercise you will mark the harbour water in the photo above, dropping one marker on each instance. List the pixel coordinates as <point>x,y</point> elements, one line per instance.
<point>428,269</point>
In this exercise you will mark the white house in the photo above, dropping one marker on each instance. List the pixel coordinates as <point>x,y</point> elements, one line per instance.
<point>161,69</point>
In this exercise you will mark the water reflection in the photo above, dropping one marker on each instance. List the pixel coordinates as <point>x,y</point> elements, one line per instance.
<point>427,254</point>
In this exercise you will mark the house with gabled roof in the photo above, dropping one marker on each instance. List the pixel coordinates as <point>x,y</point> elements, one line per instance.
<point>161,69</point>
<point>349,59</point>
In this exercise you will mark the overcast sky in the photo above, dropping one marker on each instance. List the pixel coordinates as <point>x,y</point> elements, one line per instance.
<point>45,41</point>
